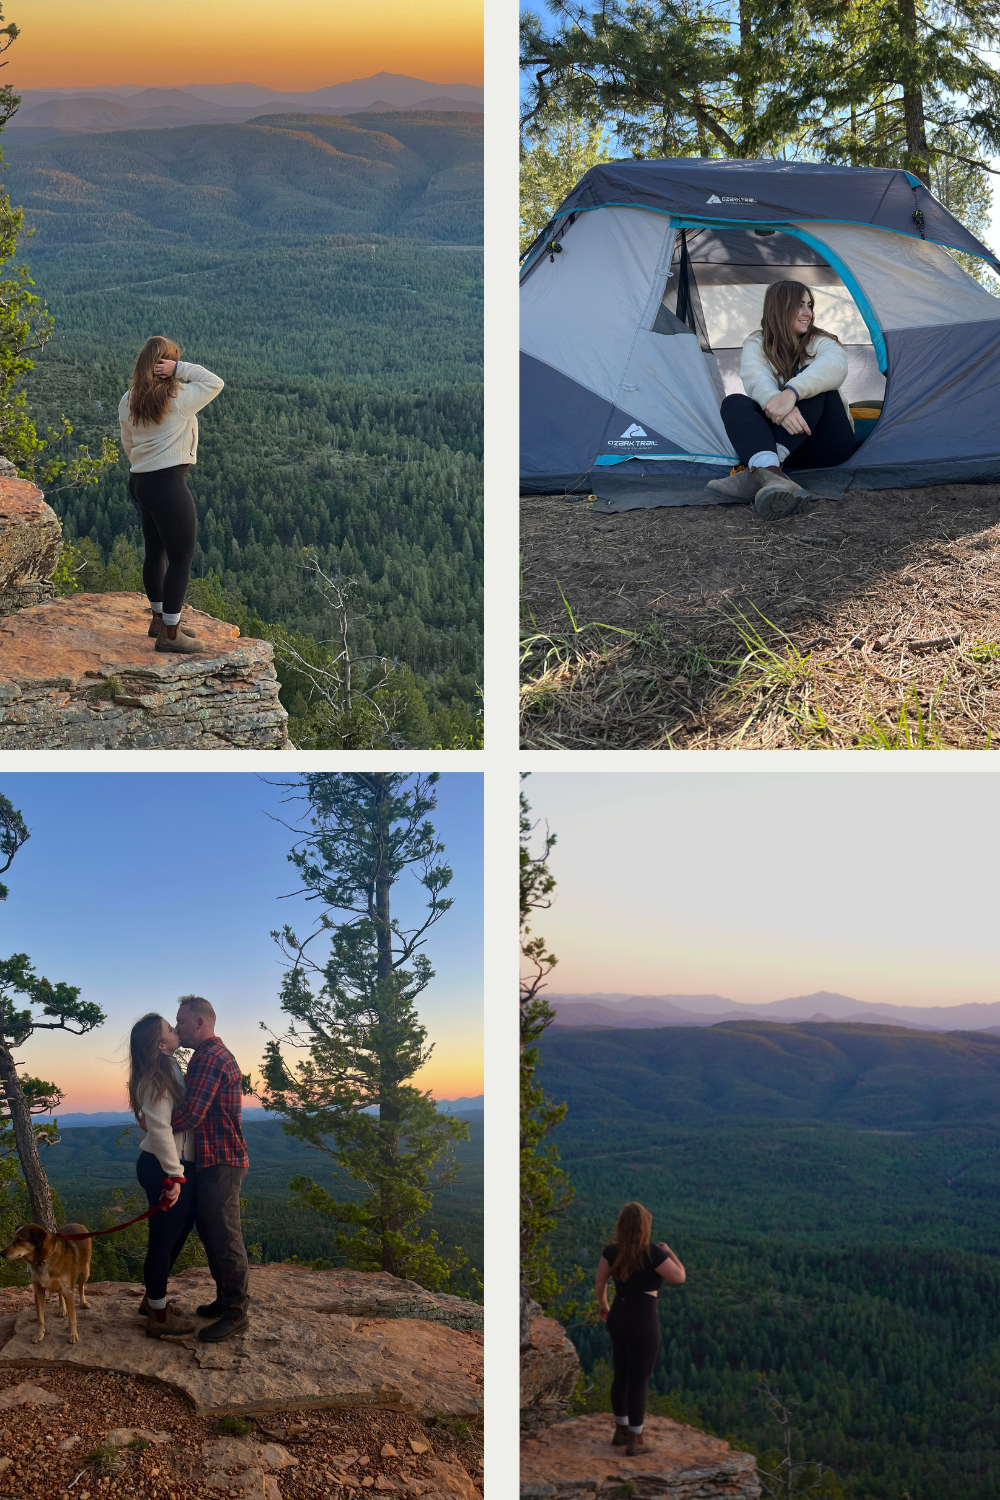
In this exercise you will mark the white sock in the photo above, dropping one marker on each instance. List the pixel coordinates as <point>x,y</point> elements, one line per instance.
<point>762,460</point>
<point>782,452</point>
<point>157,609</point>
<point>622,1421</point>
<point>171,619</point>
<point>156,1303</point>
<point>636,1431</point>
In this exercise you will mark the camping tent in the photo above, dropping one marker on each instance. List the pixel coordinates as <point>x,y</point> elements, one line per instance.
<point>638,295</point>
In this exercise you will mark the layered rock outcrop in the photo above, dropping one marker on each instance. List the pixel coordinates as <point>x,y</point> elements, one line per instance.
<point>30,543</point>
<point>301,1351</point>
<point>81,672</point>
<point>549,1369</point>
<point>574,1460</point>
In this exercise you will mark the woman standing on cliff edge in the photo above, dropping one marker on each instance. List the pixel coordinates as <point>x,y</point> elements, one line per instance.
<point>638,1269</point>
<point>159,427</point>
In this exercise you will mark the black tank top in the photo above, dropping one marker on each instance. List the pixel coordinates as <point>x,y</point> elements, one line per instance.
<point>643,1280</point>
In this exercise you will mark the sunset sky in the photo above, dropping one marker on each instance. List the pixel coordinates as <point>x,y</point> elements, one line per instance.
<point>763,887</point>
<point>140,887</point>
<point>299,45</point>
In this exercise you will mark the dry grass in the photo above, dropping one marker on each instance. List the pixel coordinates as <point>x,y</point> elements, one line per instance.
<point>869,623</point>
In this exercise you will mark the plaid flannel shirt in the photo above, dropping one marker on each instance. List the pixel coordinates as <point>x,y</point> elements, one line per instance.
<point>212,1107</point>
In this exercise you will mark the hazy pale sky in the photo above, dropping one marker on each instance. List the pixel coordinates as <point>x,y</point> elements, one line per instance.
<point>759,887</point>
<point>298,45</point>
<point>141,887</point>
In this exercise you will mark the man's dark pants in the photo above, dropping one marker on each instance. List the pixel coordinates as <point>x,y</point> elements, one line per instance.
<point>217,1220</point>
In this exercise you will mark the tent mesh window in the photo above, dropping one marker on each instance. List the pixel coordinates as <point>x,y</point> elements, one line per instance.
<point>716,288</point>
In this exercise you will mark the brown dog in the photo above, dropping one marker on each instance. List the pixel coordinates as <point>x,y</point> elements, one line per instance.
<point>55,1265</point>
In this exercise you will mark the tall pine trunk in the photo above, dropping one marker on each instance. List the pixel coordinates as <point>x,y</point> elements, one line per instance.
<point>747,100</point>
<point>24,1138</point>
<point>913,101</point>
<point>389,1111</point>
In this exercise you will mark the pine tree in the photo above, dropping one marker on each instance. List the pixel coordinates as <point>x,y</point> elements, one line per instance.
<point>544,1187</point>
<point>355,1015</point>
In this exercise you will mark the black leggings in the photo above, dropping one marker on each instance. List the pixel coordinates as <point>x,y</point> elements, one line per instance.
<point>635,1342</point>
<point>830,441</point>
<point>167,1231</point>
<point>170,531</point>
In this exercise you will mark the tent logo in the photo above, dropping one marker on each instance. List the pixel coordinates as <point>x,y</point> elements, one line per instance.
<point>716,199</point>
<point>633,431</point>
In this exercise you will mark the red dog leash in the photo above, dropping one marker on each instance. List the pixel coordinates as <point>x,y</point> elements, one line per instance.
<point>96,1233</point>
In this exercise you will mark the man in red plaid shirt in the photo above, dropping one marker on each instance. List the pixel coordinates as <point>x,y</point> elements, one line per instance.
<point>212,1108</point>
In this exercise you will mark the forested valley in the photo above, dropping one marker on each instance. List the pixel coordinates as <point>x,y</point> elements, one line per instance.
<point>92,1169</point>
<point>845,1249</point>
<point>330,272</point>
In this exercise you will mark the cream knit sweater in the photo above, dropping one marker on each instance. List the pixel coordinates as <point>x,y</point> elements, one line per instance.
<point>161,445</point>
<point>826,370</point>
<point>166,1145</point>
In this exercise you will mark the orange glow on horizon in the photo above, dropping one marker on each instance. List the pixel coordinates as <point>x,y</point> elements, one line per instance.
<point>317,43</point>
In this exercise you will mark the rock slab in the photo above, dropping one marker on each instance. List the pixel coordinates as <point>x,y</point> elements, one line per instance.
<point>81,673</point>
<point>30,544</point>
<point>549,1370</point>
<point>297,1353</point>
<point>574,1460</point>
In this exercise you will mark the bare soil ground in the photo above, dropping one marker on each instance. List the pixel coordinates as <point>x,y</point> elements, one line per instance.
<point>94,1403</point>
<point>868,622</point>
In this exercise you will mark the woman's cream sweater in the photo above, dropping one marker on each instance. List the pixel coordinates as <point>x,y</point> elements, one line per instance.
<point>826,370</point>
<point>168,1146</point>
<point>161,445</point>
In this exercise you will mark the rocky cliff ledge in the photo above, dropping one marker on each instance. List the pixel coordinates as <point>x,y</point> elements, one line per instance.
<point>393,1350</point>
<point>81,673</point>
<point>574,1460</point>
<point>549,1370</point>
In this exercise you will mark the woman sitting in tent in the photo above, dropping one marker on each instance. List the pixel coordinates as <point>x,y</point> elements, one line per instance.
<point>792,372</point>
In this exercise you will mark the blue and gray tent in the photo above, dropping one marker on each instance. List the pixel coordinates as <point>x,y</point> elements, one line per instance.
<point>638,295</point>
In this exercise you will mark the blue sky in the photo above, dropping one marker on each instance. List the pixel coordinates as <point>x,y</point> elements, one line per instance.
<point>140,887</point>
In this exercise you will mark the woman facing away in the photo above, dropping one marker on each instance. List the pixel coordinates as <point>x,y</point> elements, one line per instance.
<point>792,372</point>
<point>638,1269</point>
<point>155,1088</point>
<point>159,429</point>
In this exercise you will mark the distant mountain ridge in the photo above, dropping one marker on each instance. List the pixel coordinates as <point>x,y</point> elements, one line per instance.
<point>642,1011</point>
<point>127,108</point>
<point>408,175</point>
<point>461,1107</point>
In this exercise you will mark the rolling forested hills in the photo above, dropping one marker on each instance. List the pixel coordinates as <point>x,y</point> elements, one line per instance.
<point>834,1193</point>
<point>330,271</point>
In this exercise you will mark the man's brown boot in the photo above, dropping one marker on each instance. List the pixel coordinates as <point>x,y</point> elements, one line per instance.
<point>170,1324</point>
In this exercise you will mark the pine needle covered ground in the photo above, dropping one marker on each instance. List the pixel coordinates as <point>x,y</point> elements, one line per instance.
<point>870,622</point>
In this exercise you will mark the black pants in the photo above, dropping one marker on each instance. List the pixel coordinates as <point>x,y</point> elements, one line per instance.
<point>635,1343</point>
<point>830,440</point>
<point>170,532</point>
<point>217,1216</point>
<point>167,1231</point>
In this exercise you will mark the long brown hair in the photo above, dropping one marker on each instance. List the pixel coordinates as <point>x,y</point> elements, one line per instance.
<point>631,1240</point>
<point>784,347</point>
<point>149,395</point>
<point>149,1068</point>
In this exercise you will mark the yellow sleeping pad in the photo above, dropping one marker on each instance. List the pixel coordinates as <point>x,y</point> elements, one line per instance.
<point>866,413</point>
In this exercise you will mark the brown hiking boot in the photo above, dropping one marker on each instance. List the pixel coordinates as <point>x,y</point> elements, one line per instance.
<point>621,1436</point>
<point>144,1308</point>
<point>172,1324</point>
<point>183,641</point>
<point>156,625</point>
<point>778,495</point>
<point>742,484</point>
<point>634,1445</point>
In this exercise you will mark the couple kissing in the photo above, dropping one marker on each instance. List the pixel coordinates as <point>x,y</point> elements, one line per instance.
<point>193,1159</point>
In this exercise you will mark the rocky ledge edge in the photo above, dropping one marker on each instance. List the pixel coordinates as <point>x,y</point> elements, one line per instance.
<point>395,1349</point>
<point>81,673</point>
<point>574,1460</point>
